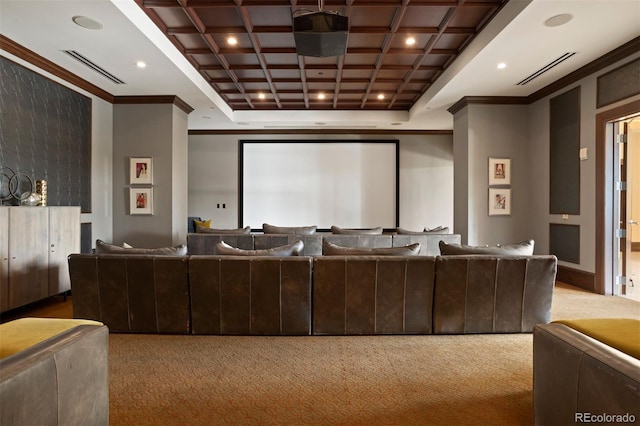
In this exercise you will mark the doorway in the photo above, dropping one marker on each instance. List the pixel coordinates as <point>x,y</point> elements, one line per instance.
<point>607,223</point>
<point>627,207</point>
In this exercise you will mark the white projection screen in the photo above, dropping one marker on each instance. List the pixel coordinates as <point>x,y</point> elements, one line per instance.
<point>351,184</point>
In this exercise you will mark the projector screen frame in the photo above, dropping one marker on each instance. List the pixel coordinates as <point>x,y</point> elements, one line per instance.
<point>242,142</point>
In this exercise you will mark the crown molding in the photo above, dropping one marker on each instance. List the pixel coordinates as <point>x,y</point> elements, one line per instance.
<point>44,64</point>
<point>630,48</point>
<point>161,99</point>
<point>319,132</point>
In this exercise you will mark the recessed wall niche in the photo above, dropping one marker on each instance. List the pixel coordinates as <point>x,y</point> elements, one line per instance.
<point>45,132</point>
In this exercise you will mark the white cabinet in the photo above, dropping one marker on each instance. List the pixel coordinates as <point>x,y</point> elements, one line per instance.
<point>34,246</point>
<point>64,239</point>
<point>4,259</point>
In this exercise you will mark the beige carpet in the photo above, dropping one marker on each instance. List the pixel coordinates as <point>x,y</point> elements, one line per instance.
<point>381,380</point>
<point>368,380</point>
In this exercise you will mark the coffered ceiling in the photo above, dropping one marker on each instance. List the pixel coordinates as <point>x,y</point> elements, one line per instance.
<point>458,45</point>
<point>379,71</point>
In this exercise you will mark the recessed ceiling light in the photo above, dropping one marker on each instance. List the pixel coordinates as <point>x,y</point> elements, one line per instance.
<point>410,41</point>
<point>502,66</point>
<point>232,41</point>
<point>556,21</point>
<point>88,23</point>
<point>320,95</point>
<point>261,95</point>
<point>141,64</point>
<point>381,96</point>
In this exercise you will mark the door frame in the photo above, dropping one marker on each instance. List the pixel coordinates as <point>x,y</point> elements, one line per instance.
<point>604,195</point>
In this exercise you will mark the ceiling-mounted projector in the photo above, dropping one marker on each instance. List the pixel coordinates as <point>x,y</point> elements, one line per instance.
<point>320,34</point>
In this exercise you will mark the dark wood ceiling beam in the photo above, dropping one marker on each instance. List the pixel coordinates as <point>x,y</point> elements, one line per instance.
<point>246,20</point>
<point>287,29</point>
<point>340,64</point>
<point>386,46</point>
<point>212,45</point>
<point>398,51</point>
<point>428,48</point>
<point>314,4</point>
<point>317,67</point>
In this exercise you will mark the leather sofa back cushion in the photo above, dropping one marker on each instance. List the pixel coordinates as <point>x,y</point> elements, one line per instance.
<point>294,249</point>
<point>372,231</point>
<point>302,230</point>
<point>106,248</point>
<point>330,249</point>
<point>201,230</point>
<point>524,248</point>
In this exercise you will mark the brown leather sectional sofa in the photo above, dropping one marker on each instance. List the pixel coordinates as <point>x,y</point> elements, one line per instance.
<point>313,295</point>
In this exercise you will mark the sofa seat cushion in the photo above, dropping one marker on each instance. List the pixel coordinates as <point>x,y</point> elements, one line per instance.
<point>20,334</point>
<point>330,249</point>
<point>524,248</point>
<point>106,248</point>
<point>302,230</point>
<point>372,231</point>
<point>622,334</point>
<point>293,249</point>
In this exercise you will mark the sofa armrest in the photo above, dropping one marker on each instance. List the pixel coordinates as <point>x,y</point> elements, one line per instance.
<point>575,375</point>
<point>134,293</point>
<point>62,380</point>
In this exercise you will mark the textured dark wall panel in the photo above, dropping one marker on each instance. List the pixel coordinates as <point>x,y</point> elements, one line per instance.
<point>564,159</point>
<point>45,132</point>
<point>564,242</point>
<point>621,83</point>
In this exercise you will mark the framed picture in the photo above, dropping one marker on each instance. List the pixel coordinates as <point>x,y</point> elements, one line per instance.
<point>140,170</point>
<point>141,201</point>
<point>499,171</point>
<point>499,201</point>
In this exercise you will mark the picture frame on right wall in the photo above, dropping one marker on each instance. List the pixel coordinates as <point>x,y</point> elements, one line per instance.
<point>499,171</point>
<point>499,201</point>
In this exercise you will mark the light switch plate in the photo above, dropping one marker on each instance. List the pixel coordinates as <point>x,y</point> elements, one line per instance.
<point>584,154</point>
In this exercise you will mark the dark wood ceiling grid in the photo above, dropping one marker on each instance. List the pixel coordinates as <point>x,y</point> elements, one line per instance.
<point>264,60</point>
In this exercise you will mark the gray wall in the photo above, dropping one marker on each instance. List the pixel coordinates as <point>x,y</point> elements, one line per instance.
<point>521,132</point>
<point>491,131</point>
<point>426,177</point>
<point>158,131</point>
